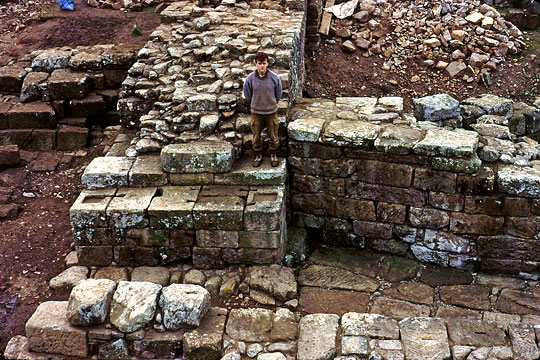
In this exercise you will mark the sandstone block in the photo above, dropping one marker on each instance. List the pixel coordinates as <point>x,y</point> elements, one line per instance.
<point>453,143</point>
<point>146,171</point>
<point>350,133</point>
<point>219,213</point>
<point>65,84</point>
<point>471,296</point>
<point>523,341</point>
<point>128,209</point>
<point>252,325</point>
<point>424,338</point>
<point>71,138</point>
<point>308,129</point>
<point>436,107</point>
<point>264,209</point>
<point>9,156</point>
<point>317,337</point>
<point>217,238</point>
<point>31,115</point>
<point>428,218</point>
<point>89,302</point>
<point>285,325</point>
<point>492,104</point>
<point>134,305</point>
<point>398,309</point>
<point>104,172</point>
<point>260,239</point>
<point>117,349</point>
<point>243,173</point>
<point>276,280</point>
<point>334,278</point>
<point>174,208</point>
<point>11,78</point>
<point>396,139</point>
<point>197,157</point>
<point>49,331</point>
<point>462,223</point>
<point>370,325</point>
<point>521,181</point>
<point>205,342</point>
<point>31,86</point>
<point>476,333</point>
<point>88,211</point>
<point>183,305</point>
<point>154,274</point>
<point>69,278</point>
<point>89,106</point>
<point>50,59</point>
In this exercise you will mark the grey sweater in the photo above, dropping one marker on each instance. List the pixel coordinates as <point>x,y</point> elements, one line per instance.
<point>263,93</point>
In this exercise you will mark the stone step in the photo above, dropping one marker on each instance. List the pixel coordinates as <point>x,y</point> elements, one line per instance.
<point>64,138</point>
<point>215,225</point>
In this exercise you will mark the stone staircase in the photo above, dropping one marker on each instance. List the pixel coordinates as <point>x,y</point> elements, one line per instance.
<point>51,99</point>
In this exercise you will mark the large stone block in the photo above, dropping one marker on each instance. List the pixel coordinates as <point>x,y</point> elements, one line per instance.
<point>424,338</point>
<point>476,333</point>
<point>218,238</point>
<point>172,208</point>
<point>89,302</point>
<point>4,108</point>
<point>88,211</point>
<point>128,208</point>
<point>436,107</point>
<point>259,239</point>
<point>96,236</point>
<point>508,247</point>
<point>133,305</point>
<point>197,157</point>
<point>11,78</point>
<point>50,59</point>
<point>44,139</point>
<point>19,137</point>
<point>31,87</point>
<point>31,115</point>
<point>243,173</point>
<point>350,133</point>
<point>264,209</point>
<point>252,325</point>
<point>521,181</point>
<point>205,342</point>
<point>396,139</point>
<point>219,213</point>
<point>492,104</point>
<point>104,172</point>
<point>317,338</point>
<point>66,84</point>
<point>371,325</point>
<point>146,171</point>
<point>379,172</point>
<point>390,194</point>
<point>183,305</point>
<point>95,255</point>
<point>49,331</point>
<point>89,106</point>
<point>453,143</point>
<point>308,129</point>
<point>71,138</point>
<point>9,156</point>
<point>202,103</point>
<point>462,223</point>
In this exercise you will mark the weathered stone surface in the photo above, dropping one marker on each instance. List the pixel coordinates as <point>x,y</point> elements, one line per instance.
<point>15,346</point>
<point>104,172</point>
<point>492,105</point>
<point>9,156</point>
<point>453,143</point>
<point>91,105</point>
<point>264,209</point>
<point>398,309</point>
<point>252,325</point>
<point>31,115</point>
<point>218,213</point>
<point>371,325</point>
<point>128,209</point>
<point>350,133</point>
<point>49,331</point>
<point>462,165</point>
<point>308,129</point>
<point>439,240</point>
<point>11,78</point>
<point>318,336</point>
<point>197,157</point>
<point>518,302</point>
<point>449,312</point>
<point>424,338</point>
<point>276,280</point>
<point>354,345</point>
<point>116,350</point>
<point>183,305</point>
<point>396,139</point>
<point>69,278</point>
<point>415,292</point>
<point>146,171</point>
<point>285,325</point>
<point>521,181</point>
<point>476,333</point>
<point>65,84</point>
<point>30,90</point>
<point>335,278</point>
<point>243,173</point>
<point>154,274</point>
<point>471,296</point>
<point>88,211</point>
<point>205,342</point>
<point>428,218</point>
<point>523,341</point>
<point>174,208</point>
<point>51,59</point>
<point>134,305</point>
<point>436,107</point>
<point>116,274</point>
<point>89,302</point>
<point>70,138</point>
<point>316,300</point>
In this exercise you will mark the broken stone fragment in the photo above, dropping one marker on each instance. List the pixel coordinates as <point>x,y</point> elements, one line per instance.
<point>89,302</point>
<point>183,305</point>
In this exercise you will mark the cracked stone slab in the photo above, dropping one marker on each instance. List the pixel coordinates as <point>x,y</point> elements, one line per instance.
<point>371,325</point>
<point>107,172</point>
<point>334,278</point>
<point>318,337</point>
<point>436,107</point>
<point>243,173</point>
<point>173,208</point>
<point>183,305</point>
<point>396,139</point>
<point>492,104</point>
<point>89,210</point>
<point>128,208</point>
<point>146,171</point>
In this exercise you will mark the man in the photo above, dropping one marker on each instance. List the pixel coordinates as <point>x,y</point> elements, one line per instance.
<point>263,90</point>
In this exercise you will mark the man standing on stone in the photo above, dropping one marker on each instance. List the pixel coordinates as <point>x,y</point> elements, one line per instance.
<point>263,90</point>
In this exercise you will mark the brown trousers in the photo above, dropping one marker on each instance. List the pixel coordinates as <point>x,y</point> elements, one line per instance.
<point>258,123</point>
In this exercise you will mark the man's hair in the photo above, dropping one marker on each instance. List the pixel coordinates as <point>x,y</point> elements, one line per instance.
<point>261,57</point>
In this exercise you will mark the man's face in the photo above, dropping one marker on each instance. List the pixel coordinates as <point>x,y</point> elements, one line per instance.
<point>261,66</point>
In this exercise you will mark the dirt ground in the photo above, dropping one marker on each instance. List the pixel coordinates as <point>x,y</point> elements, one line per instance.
<point>333,72</point>
<point>33,247</point>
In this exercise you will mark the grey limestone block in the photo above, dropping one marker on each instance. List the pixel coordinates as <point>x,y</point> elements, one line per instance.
<point>197,157</point>
<point>183,305</point>
<point>106,172</point>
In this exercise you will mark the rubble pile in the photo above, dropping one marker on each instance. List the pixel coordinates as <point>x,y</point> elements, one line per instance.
<point>15,15</point>
<point>465,37</point>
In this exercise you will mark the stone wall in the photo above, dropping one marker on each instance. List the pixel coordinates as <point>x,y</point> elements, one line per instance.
<point>364,173</point>
<point>51,104</point>
<point>187,81</point>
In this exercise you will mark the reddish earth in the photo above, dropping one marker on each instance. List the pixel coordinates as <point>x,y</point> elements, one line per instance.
<point>33,246</point>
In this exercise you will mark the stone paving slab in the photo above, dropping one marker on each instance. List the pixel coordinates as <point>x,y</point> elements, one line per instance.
<point>105,172</point>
